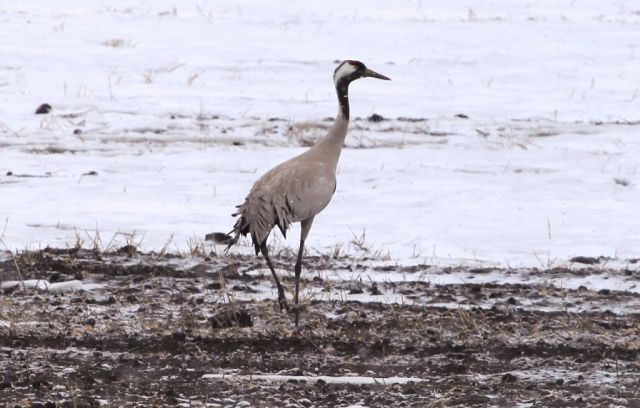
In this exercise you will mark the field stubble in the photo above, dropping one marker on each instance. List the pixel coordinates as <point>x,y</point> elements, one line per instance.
<point>161,330</point>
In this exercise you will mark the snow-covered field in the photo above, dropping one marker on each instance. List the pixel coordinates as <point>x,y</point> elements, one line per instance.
<point>177,107</point>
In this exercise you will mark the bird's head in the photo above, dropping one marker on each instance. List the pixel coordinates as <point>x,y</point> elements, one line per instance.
<point>350,70</point>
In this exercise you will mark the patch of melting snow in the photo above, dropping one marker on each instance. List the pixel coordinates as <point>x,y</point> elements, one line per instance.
<point>595,282</point>
<point>29,283</point>
<point>439,276</point>
<point>385,298</point>
<point>183,263</point>
<point>595,376</point>
<point>389,288</point>
<point>5,256</point>
<point>74,351</point>
<point>43,284</point>
<point>359,380</point>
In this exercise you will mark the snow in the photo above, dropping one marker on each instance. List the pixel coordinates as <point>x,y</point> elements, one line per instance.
<point>43,284</point>
<point>594,280</point>
<point>355,379</point>
<point>534,176</point>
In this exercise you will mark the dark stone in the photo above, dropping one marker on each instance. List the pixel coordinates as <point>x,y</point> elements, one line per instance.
<point>375,118</point>
<point>587,260</point>
<point>179,336</point>
<point>10,289</point>
<point>231,318</point>
<point>244,288</point>
<point>374,290</point>
<point>40,382</point>
<point>509,378</point>
<point>43,109</point>
<point>129,250</point>
<point>213,286</point>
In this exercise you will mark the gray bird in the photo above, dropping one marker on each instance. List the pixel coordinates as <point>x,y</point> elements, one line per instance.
<point>298,189</point>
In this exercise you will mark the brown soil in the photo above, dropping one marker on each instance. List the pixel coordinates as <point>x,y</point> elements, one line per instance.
<point>160,323</point>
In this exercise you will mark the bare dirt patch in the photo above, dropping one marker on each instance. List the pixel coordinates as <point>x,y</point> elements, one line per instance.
<point>147,329</point>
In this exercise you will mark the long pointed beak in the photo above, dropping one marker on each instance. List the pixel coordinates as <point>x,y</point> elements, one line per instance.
<point>374,74</point>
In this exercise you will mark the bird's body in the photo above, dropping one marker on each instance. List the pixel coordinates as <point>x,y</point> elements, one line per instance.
<point>293,191</point>
<point>298,189</point>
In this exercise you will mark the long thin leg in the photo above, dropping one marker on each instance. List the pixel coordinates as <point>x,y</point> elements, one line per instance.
<point>298,271</point>
<point>306,227</point>
<point>282,300</point>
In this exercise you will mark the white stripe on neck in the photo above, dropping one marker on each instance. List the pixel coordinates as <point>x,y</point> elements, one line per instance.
<point>344,70</point>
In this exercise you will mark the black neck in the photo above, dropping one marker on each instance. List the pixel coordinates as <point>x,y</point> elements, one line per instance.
<point>342,87</point>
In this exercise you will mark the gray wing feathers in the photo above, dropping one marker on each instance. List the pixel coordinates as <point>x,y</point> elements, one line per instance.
<point>258,215</point>
<point>292,192</point>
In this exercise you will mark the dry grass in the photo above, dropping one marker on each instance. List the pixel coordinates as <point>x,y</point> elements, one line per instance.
<point>192,77</point>
<point>149,75</point>
<point>119,43</point>
<point>306,134</point>
<point>173,310</point>
<point>196,247</point>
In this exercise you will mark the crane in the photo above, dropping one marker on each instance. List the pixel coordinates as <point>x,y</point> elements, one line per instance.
<point>298,189</point>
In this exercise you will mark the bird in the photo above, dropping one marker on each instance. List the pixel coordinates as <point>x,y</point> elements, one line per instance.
<point>297,189</point>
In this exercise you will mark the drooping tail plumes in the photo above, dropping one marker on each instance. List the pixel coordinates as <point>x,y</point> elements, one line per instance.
<point>242,227</point>
<point>256,217</point>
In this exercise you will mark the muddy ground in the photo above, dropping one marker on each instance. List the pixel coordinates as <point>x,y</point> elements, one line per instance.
<point>130,329</point>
